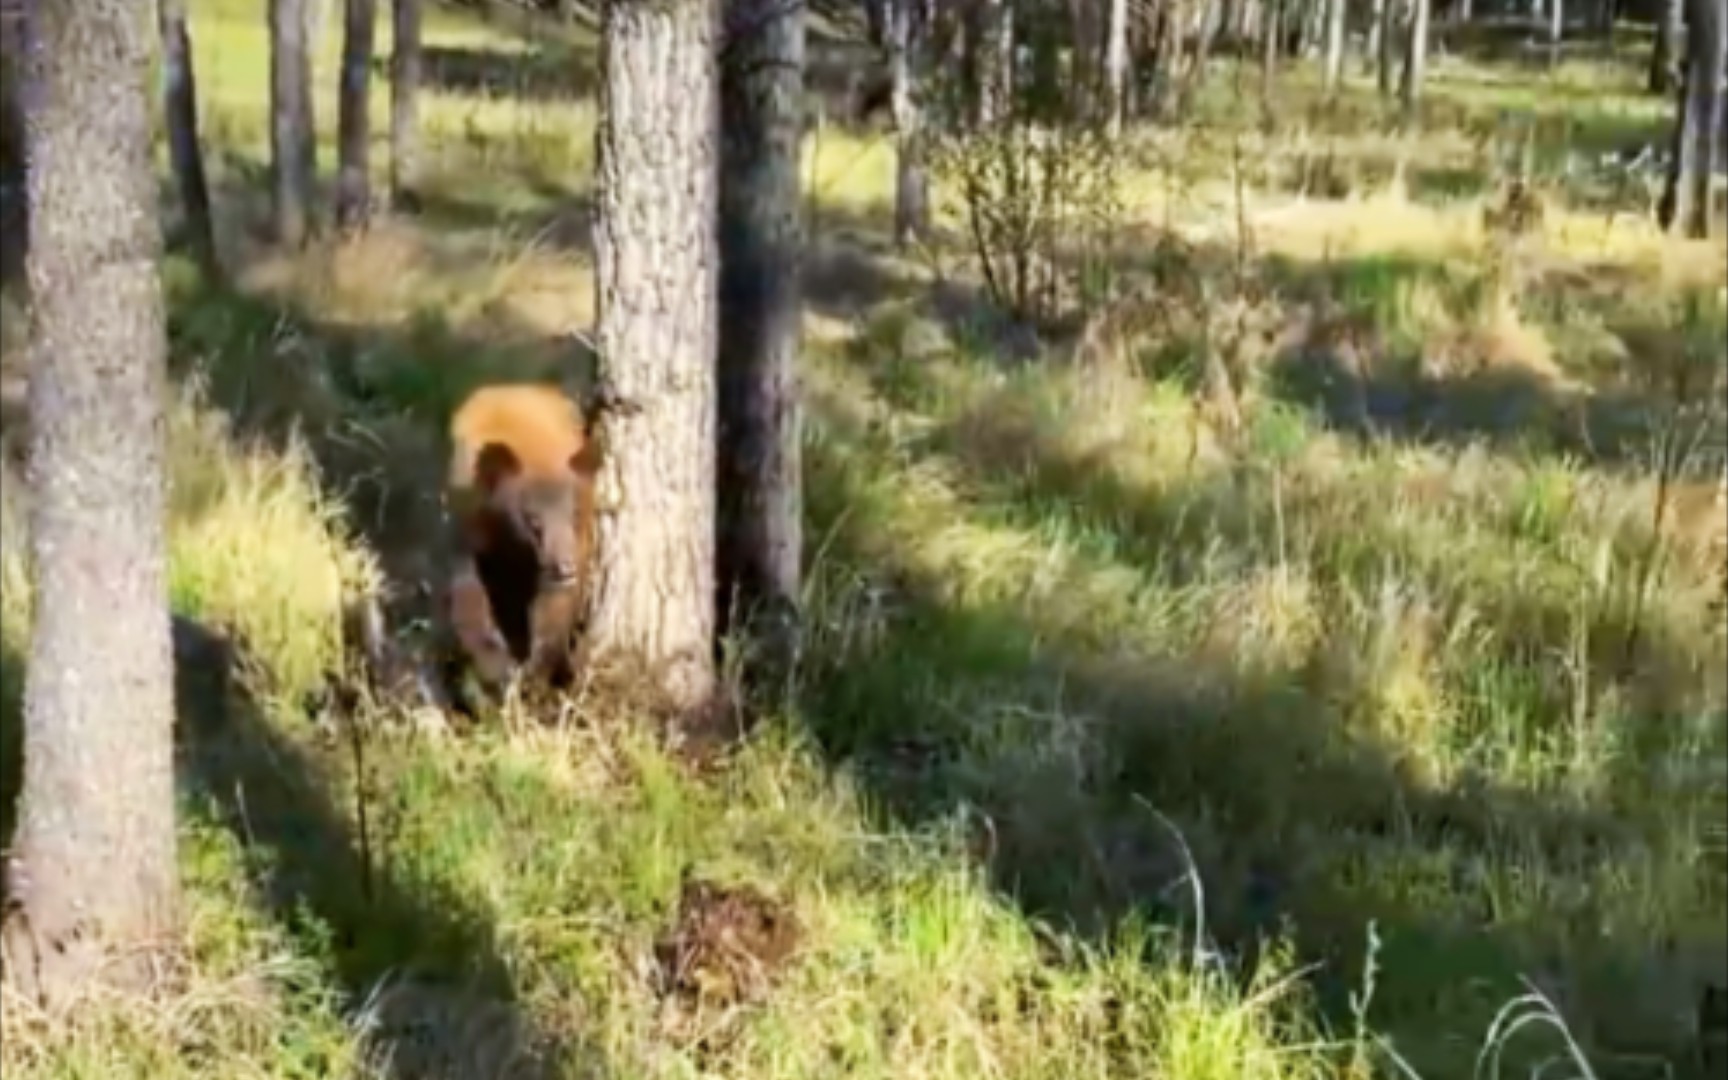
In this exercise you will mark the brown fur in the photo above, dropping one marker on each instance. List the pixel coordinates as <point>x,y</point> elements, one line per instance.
<point>521,499</point>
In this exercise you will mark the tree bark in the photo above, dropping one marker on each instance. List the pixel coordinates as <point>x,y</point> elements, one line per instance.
<point>1272,27</point>
<point>1386,45</point>
<point>1371,52</point>
<point>1415,58</point>
<point>1698,131</point>
<point>1116,66</point>
<point>405,63</point>
<point>92,875</point>
<point>293,149</point>
<point>1662,77</point>
<point>656,277</point>
<point>354,123</point>
<point>911,181</point>
<point>1556,30</point>
<point>180,115</point>
<point>761,509</point>
<point>1333,72</point>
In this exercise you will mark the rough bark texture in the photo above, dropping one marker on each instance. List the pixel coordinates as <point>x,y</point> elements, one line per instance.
<point>1698,122</point>
<point>1333,71</point>
<point>656,267</point>
<point>911,178</point>
<point>293,160</point>
<point>92,873</point>
<point>405,63</point>
<point>1662,77</point>
<point>1415,58</point>
<point>180,112</point>
<point>353,126</point>
<point>761,315</point>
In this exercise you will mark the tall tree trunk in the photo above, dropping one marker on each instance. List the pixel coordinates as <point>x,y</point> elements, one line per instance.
<point>1386,53</point>
<point>1699,119</point>
<point>1415,58</point>
<point>1271,30</point>
<point>1116,66</point>
<point>180,113</point>
<point>992,45</point>
<point>1333,72</point>
<point>761,510</point>
<point>293,149</point>
<point>1376,21</point>
<point>404,101</point>
<point>1556,30</point>
<point>92,875</point>
<point>656,279</point>
<point>354,122</point>
<point>1661,78</point>
<point>912,180</point>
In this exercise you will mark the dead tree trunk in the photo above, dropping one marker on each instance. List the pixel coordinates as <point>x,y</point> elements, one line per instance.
<point>91,879</point>
<point>656,277</point>
<point>404,102</point>
<point>180,113</point>
<point>761,510</point>
<point>293,148</point>
<point>354,122</point>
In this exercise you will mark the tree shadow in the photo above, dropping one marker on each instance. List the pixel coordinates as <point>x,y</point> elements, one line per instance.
<point>1067,744</point>
<point>418,963</point>
<point>419,966</point>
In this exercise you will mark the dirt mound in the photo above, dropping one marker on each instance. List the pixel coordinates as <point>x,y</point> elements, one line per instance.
<point>725,947</point>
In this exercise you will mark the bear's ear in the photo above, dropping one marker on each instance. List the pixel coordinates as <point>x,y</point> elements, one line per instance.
<point>495,464</point>
<point>586,461</point>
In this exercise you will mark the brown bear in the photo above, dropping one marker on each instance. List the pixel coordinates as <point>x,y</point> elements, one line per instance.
<point>520,513</point>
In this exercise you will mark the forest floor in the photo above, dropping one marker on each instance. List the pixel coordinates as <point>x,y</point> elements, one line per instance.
<point>1124,747</point>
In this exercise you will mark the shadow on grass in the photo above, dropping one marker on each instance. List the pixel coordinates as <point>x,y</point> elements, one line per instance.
<point>1066,744</point>
<point>418,966</point>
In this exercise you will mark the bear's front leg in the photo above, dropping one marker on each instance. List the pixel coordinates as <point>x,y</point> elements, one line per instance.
<point>476,630</point>
<point>551,623</point>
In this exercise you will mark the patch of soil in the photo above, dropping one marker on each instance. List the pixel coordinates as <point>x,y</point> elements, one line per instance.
<point>725,947</point>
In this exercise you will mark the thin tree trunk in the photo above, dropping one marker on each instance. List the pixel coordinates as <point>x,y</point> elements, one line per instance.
<point>656,278</point>
<point>1662,75</point>
<point>1698,132</point>
<point>1270,30</point>
<point>1116,66</point>
<point>760,540</point>
<point>180,114</point>
<point>1371,53</point>
<point>293,148</point>
<point>354,121</point>
<point>1334,62</point>
<point>1415,58</point>
<point>912,182</point>
<point>993,48</point>
<point>404,102</point>
<point>1388,39</point>
<point>1556,31</point>
<point>92,875</point>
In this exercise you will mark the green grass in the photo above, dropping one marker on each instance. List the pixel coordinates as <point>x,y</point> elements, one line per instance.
<point>1125,748</point>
